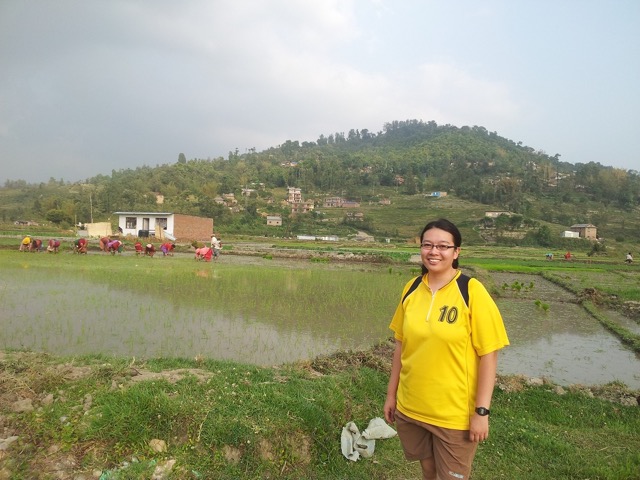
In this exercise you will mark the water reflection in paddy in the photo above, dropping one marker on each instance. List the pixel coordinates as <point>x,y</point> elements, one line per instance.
<point>564,344</point>
<point>302,318</point>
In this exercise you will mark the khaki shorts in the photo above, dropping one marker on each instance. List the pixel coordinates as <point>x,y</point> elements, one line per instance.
<point>452,450</point>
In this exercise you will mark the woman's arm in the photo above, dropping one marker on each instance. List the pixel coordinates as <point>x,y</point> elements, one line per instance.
<point>479,425</point>
<point>394,380</point>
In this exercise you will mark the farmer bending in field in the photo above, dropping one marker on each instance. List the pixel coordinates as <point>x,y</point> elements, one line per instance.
<point>138,247</point>
<point>80,246</point>
<point>167,248</point>
<point>36,245</point>
<point>104,244</point>
<point>149,250</point>
<point>115,246</point>
<point>629,258</point>
<point>25,244</point>
<point>204,253</point>
<point>53,246</point>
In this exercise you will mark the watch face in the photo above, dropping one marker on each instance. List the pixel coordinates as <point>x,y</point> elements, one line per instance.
<point>482,411</point>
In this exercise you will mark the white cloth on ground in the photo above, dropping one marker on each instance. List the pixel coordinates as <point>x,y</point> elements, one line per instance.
<point>355,444</point>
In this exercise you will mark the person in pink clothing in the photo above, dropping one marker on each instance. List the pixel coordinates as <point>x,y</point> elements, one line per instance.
<point>53,246</point>
<point>204,253</point>
<point>115,246</point>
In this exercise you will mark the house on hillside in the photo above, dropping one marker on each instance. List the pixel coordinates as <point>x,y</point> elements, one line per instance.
<point>585,230</point>
<point>274,221</point>
<point>339,202</point>
<point>294,195</point>
<point>172,226</point>
<point>302,207</point>
<point>332,202</point>
<point>296,203</point>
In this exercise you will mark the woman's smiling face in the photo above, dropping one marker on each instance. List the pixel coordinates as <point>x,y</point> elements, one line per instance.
<point>438,260</point>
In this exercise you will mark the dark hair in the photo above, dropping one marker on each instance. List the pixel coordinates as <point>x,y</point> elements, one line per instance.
<point>447,226</point>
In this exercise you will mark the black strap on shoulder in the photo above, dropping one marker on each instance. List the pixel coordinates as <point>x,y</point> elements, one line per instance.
<point>413,286</point>
<point>463,285</point>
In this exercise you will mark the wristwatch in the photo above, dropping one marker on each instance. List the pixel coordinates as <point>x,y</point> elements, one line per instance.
<point>483,412</point>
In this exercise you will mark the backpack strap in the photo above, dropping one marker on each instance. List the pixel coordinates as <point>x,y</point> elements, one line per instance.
<point>463,285</point>
<point>416,282</point>
<point>462,281</point>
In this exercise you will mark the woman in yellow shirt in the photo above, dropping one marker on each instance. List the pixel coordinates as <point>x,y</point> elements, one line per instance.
<point>448,331</point>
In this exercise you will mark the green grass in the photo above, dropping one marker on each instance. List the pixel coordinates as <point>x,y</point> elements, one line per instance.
<point>241,421</point>
<point>539,434</point>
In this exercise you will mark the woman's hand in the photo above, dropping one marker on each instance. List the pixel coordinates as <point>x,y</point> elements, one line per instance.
<point>479,428</point>
<point>390,409</point>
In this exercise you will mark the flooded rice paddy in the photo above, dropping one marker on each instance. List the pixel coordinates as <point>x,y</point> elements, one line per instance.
<point>268,312</point>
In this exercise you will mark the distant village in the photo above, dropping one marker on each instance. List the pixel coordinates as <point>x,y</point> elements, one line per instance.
<point>173,226</point>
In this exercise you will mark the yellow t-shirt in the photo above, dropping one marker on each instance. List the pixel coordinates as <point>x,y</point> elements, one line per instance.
<point>442,341</point>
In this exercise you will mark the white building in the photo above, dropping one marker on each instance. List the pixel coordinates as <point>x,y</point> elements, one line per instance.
<point>172,226</point>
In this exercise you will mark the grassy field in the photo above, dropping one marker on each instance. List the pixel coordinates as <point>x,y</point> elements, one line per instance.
<point>123,419</point>
<point>116,418</point>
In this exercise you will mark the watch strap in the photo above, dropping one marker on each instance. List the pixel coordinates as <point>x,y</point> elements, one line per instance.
<point>483,412</point>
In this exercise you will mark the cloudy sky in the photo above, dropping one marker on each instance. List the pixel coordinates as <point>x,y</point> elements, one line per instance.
<point>87,86</point>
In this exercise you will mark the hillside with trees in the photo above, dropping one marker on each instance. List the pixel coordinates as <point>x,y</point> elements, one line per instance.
<point>388,173</point>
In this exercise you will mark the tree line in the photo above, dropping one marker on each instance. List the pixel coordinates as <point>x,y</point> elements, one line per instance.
<point>412,156</point>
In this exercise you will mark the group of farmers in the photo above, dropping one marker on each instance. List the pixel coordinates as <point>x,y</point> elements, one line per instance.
<point>106,244</point>
<point>113,246</point>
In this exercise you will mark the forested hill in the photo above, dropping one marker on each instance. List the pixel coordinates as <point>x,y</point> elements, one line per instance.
<point>411,157</point>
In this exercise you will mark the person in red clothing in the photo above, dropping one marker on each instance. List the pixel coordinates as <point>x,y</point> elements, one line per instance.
<point>204,253</point>
<point>104,244</point>
<point>149,250</point>
<point>115,246</point>
<point>36,245</point>
<point>80,246</point>
<point>138,247</point>
<point>167,248</point>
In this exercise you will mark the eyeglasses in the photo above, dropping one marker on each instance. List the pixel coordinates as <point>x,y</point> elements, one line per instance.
<point>440,248</point>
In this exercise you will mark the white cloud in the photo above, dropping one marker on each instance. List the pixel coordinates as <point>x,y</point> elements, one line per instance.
<point>118,84</point>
